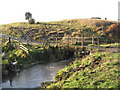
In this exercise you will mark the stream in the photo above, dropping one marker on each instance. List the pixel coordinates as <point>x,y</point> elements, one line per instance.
<point>33,76</point>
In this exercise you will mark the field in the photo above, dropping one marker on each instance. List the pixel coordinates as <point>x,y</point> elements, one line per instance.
<point>91,43</point>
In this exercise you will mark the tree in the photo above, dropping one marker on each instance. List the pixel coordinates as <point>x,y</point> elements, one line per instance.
<point>28,16</point>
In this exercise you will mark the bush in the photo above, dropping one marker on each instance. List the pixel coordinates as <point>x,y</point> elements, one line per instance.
<point>32,21</point>
<point>38,23</point>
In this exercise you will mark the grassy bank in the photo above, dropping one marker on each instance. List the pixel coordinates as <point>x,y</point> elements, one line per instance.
<point>99,70</point>
<point>27,55</point>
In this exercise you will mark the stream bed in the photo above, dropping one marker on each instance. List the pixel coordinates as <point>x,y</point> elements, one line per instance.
<point>33,76</point>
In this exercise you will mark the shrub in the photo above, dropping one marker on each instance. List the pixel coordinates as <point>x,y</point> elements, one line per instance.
<point>32,21</point>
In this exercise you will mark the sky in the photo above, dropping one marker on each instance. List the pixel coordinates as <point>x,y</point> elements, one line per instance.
<point>53,10</point>
<point>119,11</point>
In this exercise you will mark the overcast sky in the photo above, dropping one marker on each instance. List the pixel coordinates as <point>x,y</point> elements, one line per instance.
<point>53,10</point>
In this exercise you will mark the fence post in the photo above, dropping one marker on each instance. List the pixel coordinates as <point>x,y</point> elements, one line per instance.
<point>82,44</point>
<point>92,39</point>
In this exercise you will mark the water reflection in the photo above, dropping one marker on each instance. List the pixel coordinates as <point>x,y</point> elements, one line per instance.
<point>11,82</point>
<point>33,76</point>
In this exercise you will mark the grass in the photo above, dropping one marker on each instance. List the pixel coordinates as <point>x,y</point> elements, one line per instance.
<point>27,54</point>
<point>107,45</point>
<point>61,28</point>
<point>99,70</point>
<point>111,45</point>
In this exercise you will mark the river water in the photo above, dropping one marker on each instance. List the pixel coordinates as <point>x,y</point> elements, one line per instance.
<point>33,76</point>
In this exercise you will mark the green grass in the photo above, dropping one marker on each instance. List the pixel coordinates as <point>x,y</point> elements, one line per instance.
<point>111,45</point>
<point>105,74</point>
<point>14,51</point>
<point>63,28</point>
<point>5,62</point>
<point>107,45</point>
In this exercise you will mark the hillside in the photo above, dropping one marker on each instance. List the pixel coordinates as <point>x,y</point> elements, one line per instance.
<point>64,28</point>
<point>91,67</point>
